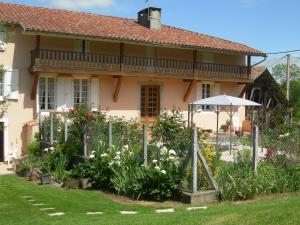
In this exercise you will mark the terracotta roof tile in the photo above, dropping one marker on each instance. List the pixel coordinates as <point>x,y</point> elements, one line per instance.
<point>99,26</point>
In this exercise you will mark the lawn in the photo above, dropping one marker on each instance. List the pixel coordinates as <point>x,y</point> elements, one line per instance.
<point>14,209</point>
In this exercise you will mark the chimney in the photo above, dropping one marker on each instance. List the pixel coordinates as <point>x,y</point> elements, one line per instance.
<point>150,18</point>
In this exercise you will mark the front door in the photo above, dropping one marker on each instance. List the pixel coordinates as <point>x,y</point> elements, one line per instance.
<point>1,143</point>
<point>150,103</point>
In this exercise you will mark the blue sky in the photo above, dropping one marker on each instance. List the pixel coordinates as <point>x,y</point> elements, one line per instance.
<point>269,25</point>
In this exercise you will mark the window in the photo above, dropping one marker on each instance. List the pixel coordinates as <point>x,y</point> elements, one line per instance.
<point>80,91</point>
<point>46,93</point>
<point>150,101</point>
<point>206,93</point>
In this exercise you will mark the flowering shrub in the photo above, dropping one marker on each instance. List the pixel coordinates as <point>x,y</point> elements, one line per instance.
<point>121,169</point>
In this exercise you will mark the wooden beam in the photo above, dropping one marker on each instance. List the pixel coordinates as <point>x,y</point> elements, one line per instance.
<point>117,89</point>
<point>249,64</point>
<point>189,90</point>
<point>195,58</point>
<point>121,56</point>
<point>34,86</point>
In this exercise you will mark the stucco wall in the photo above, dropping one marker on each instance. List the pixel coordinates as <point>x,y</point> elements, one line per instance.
<point>17,56</point>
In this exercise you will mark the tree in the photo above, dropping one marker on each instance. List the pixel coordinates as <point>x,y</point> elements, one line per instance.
<point>279,73</point>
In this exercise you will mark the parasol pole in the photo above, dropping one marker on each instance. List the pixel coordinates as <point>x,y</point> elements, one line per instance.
<point>230,126</point>
<point>217,136</point>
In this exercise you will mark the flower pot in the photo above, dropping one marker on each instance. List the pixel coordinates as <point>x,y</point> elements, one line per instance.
<point>85,184</point>
<point>45,179</point>
<point>72,183</point>
<point>33,176</point>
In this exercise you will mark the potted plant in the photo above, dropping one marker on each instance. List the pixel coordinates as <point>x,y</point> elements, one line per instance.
<point>45,176</point>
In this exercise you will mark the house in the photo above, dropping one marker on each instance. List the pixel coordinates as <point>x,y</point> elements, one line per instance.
<point>134,68</point>
<point>264,90</point>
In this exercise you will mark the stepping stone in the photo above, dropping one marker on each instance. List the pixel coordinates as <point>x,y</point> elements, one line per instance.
<point>128,212</point>
<point>31,200</point>
<point>94,213</point>
<point>39,204</point>
<point>165,210</point>
<point>196,208</point>
<point>45,209</point>
<point>56,214</point>
<point>27,196</point>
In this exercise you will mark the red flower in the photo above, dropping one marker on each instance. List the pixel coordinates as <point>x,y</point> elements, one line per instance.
<point>87,116</point>
<point>94,112</point>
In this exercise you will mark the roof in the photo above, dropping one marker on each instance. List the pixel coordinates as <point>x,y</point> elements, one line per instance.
<point>40,19</point>
<point>257,71</point>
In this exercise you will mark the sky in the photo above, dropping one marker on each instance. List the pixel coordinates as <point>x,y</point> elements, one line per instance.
<point>268,25</point>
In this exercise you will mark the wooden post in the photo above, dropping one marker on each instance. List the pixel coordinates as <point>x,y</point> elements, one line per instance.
<point>217,135</point>
<point>66,127</point>
<point>51,128</point>
<point>194,161</point>
<point>121,56</point>
<point>254,154</point>
<point>110,134</point>
<point>85,143</point>
<point>230,135</point>
<point>145,144</point>
<point>248,65</point>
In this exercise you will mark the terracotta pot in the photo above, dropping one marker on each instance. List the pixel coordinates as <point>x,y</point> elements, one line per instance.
<point>33,176</point>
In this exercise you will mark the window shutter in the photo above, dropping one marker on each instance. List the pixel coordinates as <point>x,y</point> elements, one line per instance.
<point>64,94</point>
<point>77,45</point>
<point>11,83</point>
<point>14,85</point>
<point>217,89</point>
<point>199,91</point>
<point>2,41</point>
<point>95,93</point>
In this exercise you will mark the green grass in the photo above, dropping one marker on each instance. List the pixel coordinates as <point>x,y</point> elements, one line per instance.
<point>75,203</point>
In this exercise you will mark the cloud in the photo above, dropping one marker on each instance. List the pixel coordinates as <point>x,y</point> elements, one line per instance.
<point>81,4</point>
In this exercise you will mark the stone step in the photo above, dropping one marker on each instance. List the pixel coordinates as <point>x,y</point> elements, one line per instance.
<point>201,197</point>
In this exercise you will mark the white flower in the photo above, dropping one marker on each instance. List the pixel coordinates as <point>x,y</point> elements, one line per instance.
<point>125,147</point>
<point>284,135</point>
<point>163,172</point>
<point>118,153</point>
<point>100,142</point>
<point>172,152</point>
<point>92,156</point>
<point>46,150</point>
<point>163,151</point>
<point>103,155</point>
<point>51,148</point>
<point>154,161</point>
<point>158,144</point>
<point>110,163</point>
<point>171,158</point>
<point>93,152</point>
<point>157,168</point>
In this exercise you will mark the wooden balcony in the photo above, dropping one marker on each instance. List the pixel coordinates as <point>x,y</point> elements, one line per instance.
<point>46,60</point>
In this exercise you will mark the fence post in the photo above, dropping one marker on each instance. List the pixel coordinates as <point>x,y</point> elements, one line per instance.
<point>145,144</point>
<point>51,128</point>
<point>109,134</point>
<point>194,160</point>
<point>255,148</point>
<point>84,143</point>
<point>66,127</point>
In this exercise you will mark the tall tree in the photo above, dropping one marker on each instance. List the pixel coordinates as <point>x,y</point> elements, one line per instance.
<point>279,73</point>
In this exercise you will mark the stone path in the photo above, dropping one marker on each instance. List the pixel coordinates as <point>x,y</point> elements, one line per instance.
<point>31,199</point>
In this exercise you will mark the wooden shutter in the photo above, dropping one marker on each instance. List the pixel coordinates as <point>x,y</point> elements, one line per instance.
<point>94,93</point>
<point>11,83</point>
<point>64,93</point>
<point>217,89</point>
<point>150,101</point>
<point>199,91</point>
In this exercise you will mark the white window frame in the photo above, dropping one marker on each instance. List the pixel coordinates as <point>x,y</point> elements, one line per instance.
<point>207,108</point>
<point>81,90</point>
<point>46,93</point>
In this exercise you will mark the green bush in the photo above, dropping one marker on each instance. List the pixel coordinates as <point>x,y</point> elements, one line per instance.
<point>34,148</point>
<point>170,130</point>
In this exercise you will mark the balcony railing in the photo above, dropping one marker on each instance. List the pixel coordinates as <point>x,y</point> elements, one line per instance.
<point>57,59</point>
